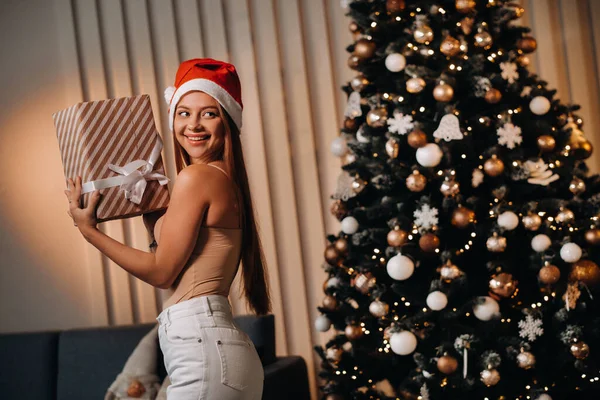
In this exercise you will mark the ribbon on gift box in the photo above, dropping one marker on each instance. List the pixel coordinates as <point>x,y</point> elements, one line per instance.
<point>132,181</point>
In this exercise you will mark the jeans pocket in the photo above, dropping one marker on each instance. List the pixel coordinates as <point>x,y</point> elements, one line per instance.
<point>236,358</point>
<point>182,331</point>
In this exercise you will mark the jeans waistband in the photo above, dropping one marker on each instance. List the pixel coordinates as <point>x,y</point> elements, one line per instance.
<point>198,305</point>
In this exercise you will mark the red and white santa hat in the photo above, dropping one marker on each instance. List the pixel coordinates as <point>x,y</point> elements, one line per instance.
<point>215,78</point>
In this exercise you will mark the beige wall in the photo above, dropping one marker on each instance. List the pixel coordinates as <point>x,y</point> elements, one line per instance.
<point>291,58</point>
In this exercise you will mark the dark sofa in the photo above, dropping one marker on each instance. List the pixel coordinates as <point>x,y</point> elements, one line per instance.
<point>82,363</point>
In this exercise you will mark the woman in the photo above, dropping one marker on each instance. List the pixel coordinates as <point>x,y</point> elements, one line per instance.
<point>208,228</point>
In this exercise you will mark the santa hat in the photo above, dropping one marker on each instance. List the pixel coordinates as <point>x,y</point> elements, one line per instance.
<point>215,78</point>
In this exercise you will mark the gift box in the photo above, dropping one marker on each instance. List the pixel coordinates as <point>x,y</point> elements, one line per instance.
<point>115,148</point>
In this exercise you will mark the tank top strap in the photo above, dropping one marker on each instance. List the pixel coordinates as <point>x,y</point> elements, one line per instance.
<point>220,169</point>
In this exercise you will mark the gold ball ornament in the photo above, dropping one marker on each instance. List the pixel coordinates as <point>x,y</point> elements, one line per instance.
<point>443,92</point>
<point>527,44</point>
<point>417,139</point>
<point>580,350</point>
<point>546,143</point>
<point>394,6</point>
<point>334,354</point>
<point>353,61</point>
<point>364,49</point>
<point>423,34</point>
<point>503,285</point>
<point>397,237</point>
<point>465,6</point>
<point>493,166</point>
<point>496,244</point>
<point>447,364</point>
<point>136,389</point>
<point>331,255</point>
<point>416,182</point>
<point>549,274</point>
<point>592,236</point>
<point>493,96</point>
<point>450,46</point>
<point>429,242</point>
<point>415,85</point>
<point>577,186</point>
<point>330,303</point>
<point>392,148</point>
<point>483,39</point>
<point>359,82</point>
<point>364,282</point>
<point>462,217</point>
<point>450,187</point>
<point>490,377</point>
<point>449,272</point>
<point>351,124</point>
<point>378,308</point>
<point>341,246</point>
<point>353,332</point>
<point>358,185</point>
<point>523,61</point>
<point>525,360</point>
<point>585,271</point>
<point>353,27</point>
<point>377,117</point>
<point>338,209</point>
<point>565,216</point>
<point>334,396</point>
<point>532,222</point>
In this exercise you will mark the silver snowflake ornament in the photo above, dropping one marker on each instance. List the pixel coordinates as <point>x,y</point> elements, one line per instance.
<point>426,217</point>
<point>509,135</point>
<point>353,109</point>
<point>530,328</point>
<point>400,123</point>
<point>509,71</point>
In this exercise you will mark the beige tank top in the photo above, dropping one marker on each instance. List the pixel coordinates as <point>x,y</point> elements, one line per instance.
<point>212,265</point>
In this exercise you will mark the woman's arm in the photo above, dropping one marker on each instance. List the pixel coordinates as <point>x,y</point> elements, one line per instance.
<point>189,202</point>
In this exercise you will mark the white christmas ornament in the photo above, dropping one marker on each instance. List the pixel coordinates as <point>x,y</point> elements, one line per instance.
<point>437,300</point>
<point>487,309</point>
<point>333,282</point>
<point>400,267</point>
<point>349,225</point>
<point>544,397</point>
<point>541,243</point>
<point>400,123</point>
<point>509,136</point>
<point>353,109</point>
<point>539,105</point>
<point>339,147</point>
<point>508,220</point>
<point>322,323</point>
<point>429,155</point>
<point>509,71</point>
<point>570,252</point>
<point>395,62</point>
<point>378,308</point>
<point>449,128</point>
<point>539,173</point>
<point>360,136</point>
<point>403,343</point>
<point>426,217</point>
<point>530,328</point>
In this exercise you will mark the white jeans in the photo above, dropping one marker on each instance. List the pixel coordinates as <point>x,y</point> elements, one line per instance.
<point>206,355</point>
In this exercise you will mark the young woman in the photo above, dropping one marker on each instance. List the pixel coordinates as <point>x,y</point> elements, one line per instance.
<point>207,229</point>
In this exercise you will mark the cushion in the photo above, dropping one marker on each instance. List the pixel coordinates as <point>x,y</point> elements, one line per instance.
<point>262,333</point>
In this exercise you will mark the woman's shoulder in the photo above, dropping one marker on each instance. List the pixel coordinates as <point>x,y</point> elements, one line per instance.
<point>201,175</point>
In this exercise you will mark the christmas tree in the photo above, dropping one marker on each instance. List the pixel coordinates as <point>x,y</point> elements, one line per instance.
<point>467,262</point>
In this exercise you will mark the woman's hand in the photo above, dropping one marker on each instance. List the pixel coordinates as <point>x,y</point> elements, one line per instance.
<point>83,218</point>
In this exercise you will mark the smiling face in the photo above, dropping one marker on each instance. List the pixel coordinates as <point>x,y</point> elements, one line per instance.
<point>198,127</point>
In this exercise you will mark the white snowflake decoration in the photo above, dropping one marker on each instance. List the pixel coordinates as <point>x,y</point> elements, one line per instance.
<point>449,128</point>
<point>426,217</point>
<point>539,174</point>
<point>526,91</point>
<point>401,124</point>
<point>530,328</point>
<point>482,85</point>
<point>353,107</point>
<point>424,393</point>
<point>509,135</point>
<point>477,178</point>
<point>509,71</point>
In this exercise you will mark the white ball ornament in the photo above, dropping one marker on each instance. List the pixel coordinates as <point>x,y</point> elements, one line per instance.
<point>570,252</point>
<point>400,267</point>
<point>508,220</point>
<point>333,282</point>
<point>539,105</point>
<point>338,147</point>
<point>544,397</point>
<point>322,323</point>
<point>349,225</point>
<point>403,343</point>
<point>487,309</point>
<point>429,155</point>
<point>437,300</point>
<point>395,62</point>
<point>541,243</point>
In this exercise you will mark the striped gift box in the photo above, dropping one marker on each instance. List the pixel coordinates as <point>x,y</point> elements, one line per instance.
<point>93,135</point>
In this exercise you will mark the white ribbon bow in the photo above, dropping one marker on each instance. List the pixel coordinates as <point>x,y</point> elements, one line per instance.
<point>131,180</point>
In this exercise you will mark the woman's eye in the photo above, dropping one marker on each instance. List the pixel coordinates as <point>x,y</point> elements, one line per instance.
<point>210,114</point>
<point>184,114</point>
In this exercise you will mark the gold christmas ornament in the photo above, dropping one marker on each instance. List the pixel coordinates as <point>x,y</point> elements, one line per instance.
<point>462,217</point>
<point>429,242</point>
<point>585,271</point>
<point>377,117</point>
<point>359,82</point>
<point>465,6</point>
<point>496,244</point>
<point>592,236</point>
<point>353,332</point>
<point>490,377</point>
<point>449,272</point>
<point>351,125</point>
<point>341,246</point>
<point>417,139</point>
<point>532,222</point>
<point>331,255</point>
<point>397,237</point>
<point>334,396</point>
<point>580,350</point>
<point>394,6</point>
<point>493,166</point>
<point>493,96</point>
<point>415,85</point>
<point>523,61</point>
<point>392,148</point>
<point>483,39</point>
<point>358,185</point>
<point>549,274</point>
<point>353,61</point>
<point>338,209</point>
<point>378,308</point>
<point>450,187</point>
<point>364,49</point>
<point>447,364</point>
<point>334,354</point>
<point>364,282</point>
<point>416,182</point>
<point>546,143</point>
<point>527,44</point>
<point>466,25</point>
<point>450,46</point>
<point>577,186</point>
<point>353,27</point>
<point>443,92</point>
<point>525,360</point>
<point>330,303</point>
<point>503,285</point>
<point>565,216</point>
<point>423,34</point>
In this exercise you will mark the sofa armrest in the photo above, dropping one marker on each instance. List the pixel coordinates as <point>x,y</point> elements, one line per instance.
<point>286,378</point>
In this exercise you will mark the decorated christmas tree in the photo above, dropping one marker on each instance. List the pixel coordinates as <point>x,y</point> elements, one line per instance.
<point>467,262</point>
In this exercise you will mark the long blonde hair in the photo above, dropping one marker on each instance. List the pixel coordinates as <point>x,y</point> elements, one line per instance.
<point>254,283</point>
